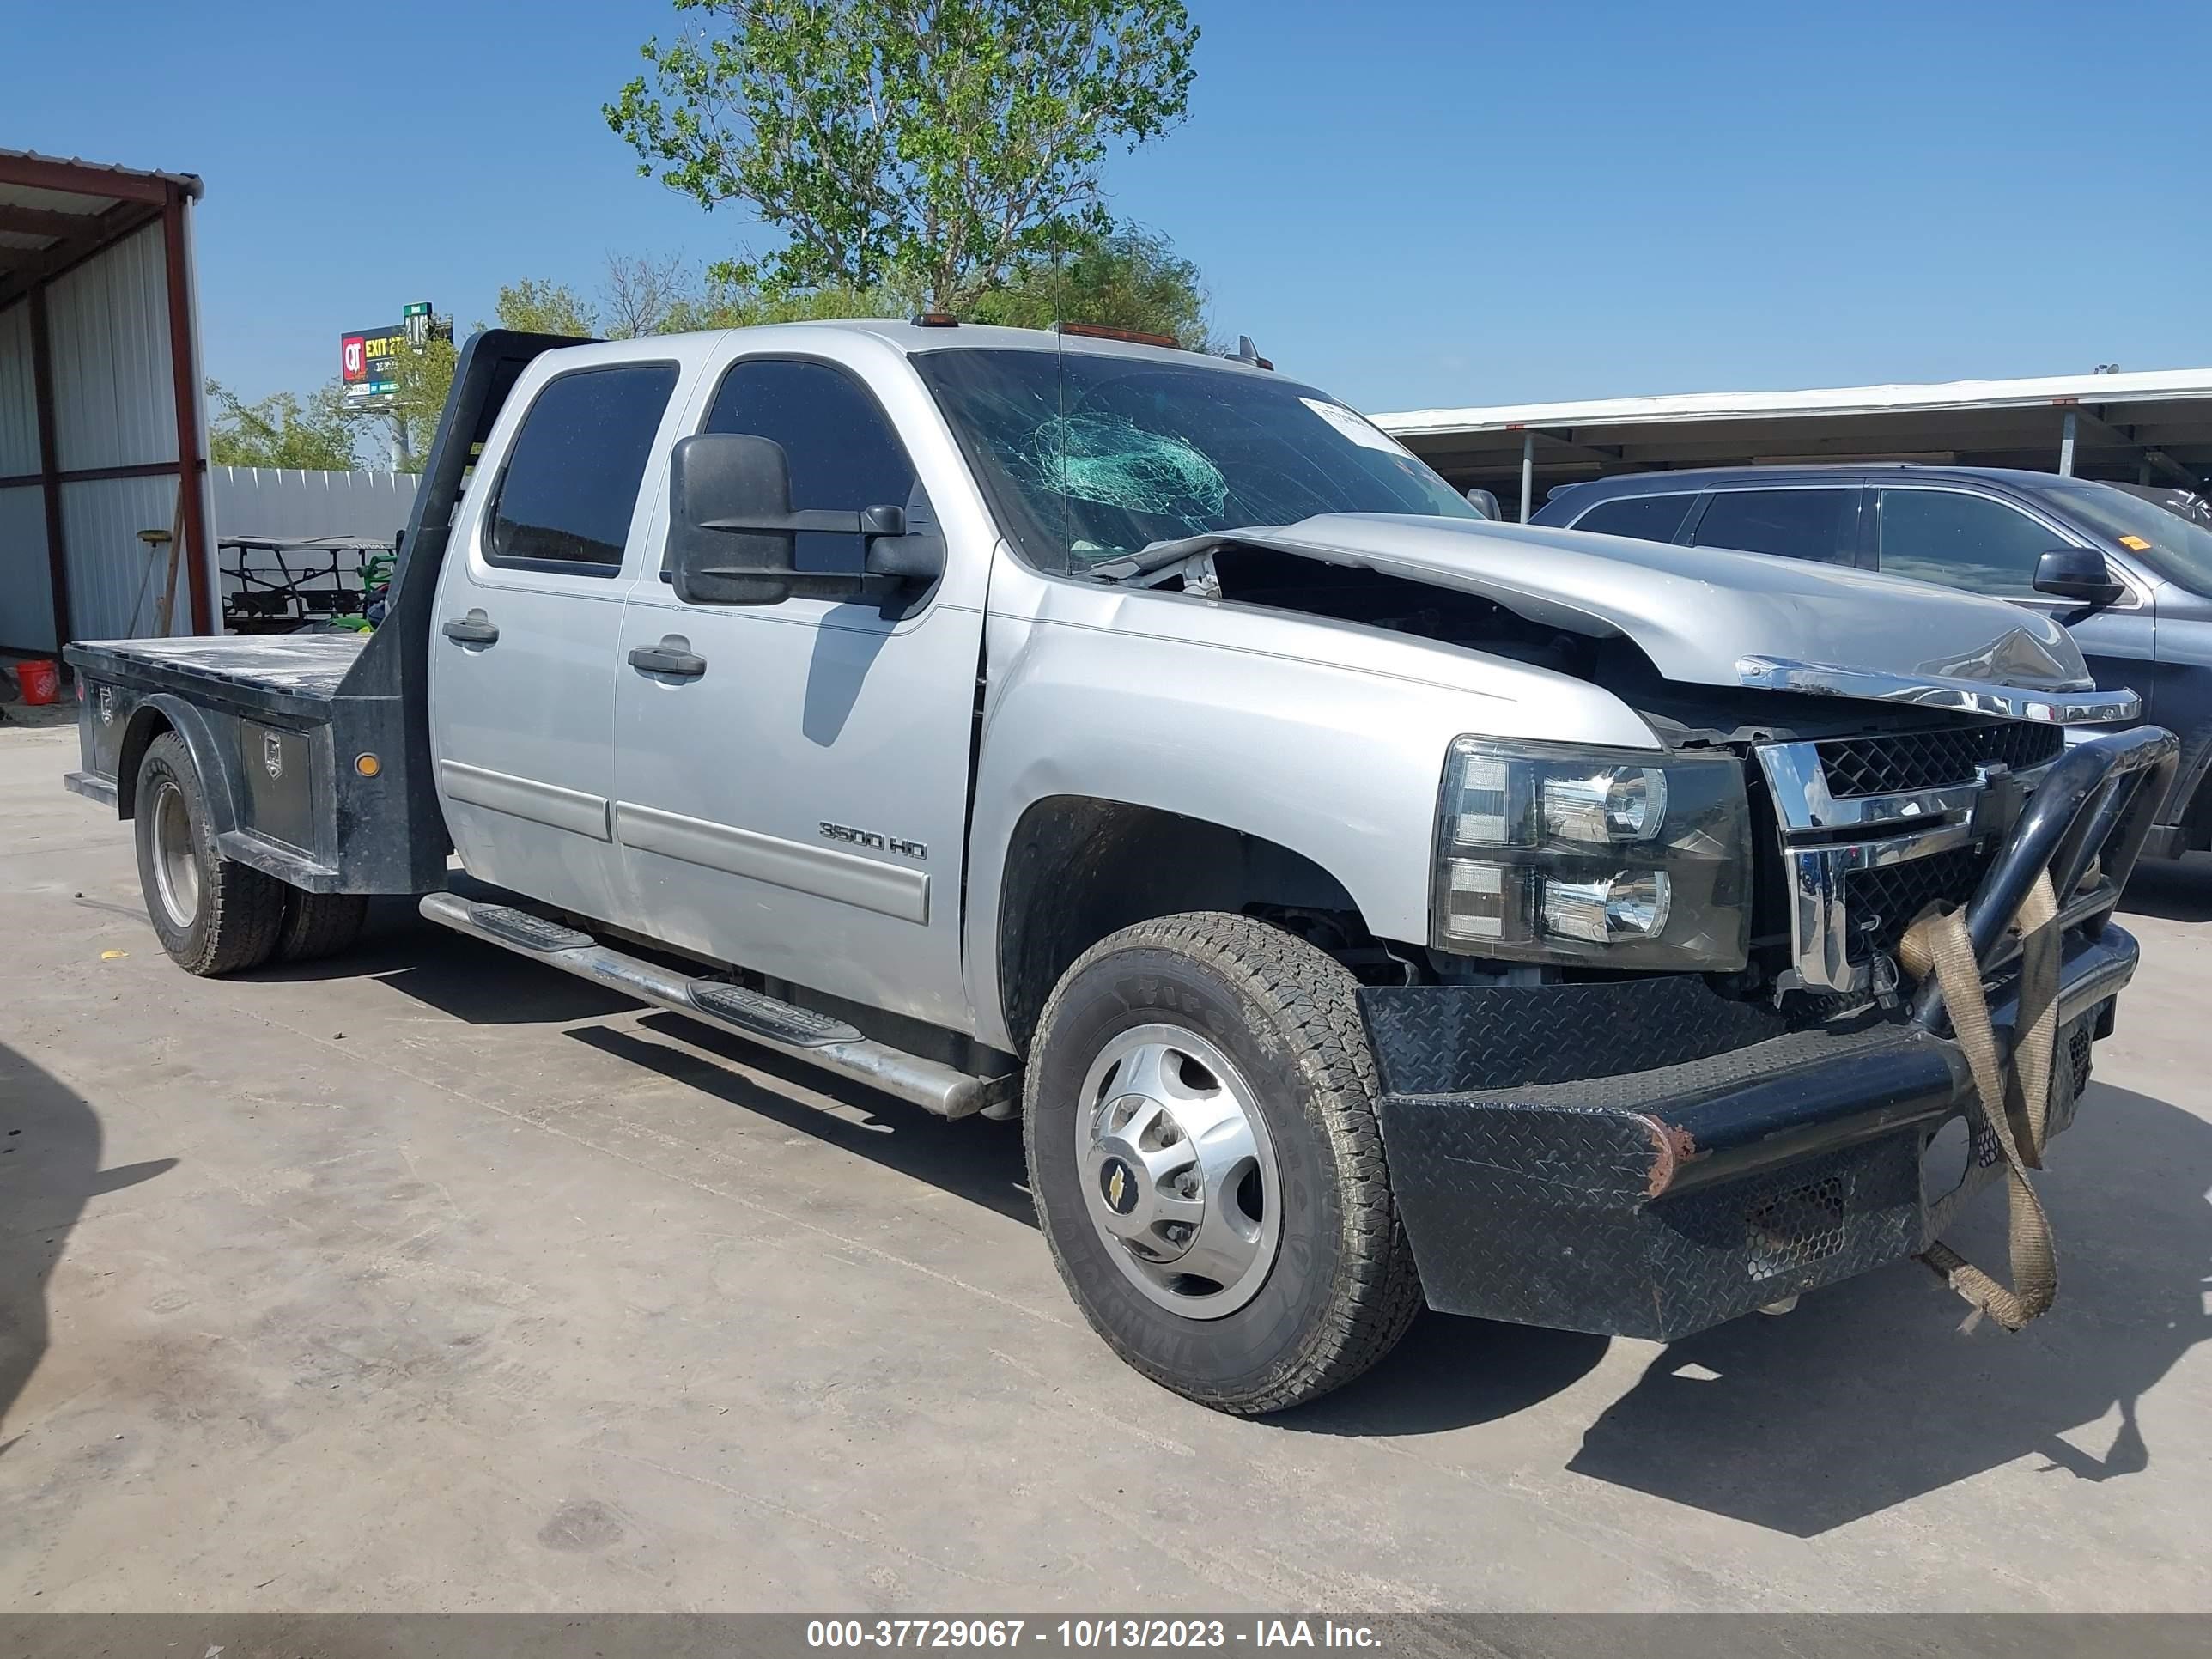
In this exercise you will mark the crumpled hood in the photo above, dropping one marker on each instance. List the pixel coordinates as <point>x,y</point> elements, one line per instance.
<point>1704,616</point>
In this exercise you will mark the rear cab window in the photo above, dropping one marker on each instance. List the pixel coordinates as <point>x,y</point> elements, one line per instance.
<point>569,488</point>
<point>1817,523</point>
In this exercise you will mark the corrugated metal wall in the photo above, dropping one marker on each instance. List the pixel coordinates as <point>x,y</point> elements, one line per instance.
<point>114,391</point>
<point>26,600</point>
<point>18,409</point>
<point>26,611</point>
<point>116,580</point>
<point>115,405</point>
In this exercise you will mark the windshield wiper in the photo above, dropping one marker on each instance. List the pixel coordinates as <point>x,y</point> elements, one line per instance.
<point>1158,555</point>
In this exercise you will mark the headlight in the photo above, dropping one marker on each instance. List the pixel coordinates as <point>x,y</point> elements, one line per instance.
<point>1606,856</point>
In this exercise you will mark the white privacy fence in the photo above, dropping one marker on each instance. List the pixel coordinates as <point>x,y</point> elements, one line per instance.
<point>282,504</point>
<point>267,500</point>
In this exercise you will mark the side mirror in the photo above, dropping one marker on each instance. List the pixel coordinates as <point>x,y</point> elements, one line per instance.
<point>2079,573</point>
<point>1485,503</point>
<point>732,531</point>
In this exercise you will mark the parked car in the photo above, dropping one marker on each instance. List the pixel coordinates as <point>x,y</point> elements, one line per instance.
<point>2189,504</point>
<point>1395,905</point>
<point>1981,530</point>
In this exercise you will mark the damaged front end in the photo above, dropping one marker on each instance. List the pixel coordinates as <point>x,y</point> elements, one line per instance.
<point>1656,1064</point>
<point>1651,1156</point>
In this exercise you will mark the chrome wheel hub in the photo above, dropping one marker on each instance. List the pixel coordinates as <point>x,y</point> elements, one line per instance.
<point>1178,1174</point>
<point>176,866</point>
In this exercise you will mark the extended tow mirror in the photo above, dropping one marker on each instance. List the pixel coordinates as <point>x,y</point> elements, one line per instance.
<point>732,531</point>
<point>2079,573</point>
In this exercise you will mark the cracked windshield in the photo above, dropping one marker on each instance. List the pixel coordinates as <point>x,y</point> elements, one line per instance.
<point>1091,458</point>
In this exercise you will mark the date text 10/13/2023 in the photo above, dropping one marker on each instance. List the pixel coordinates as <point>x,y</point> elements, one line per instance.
<point>1084,1635</point>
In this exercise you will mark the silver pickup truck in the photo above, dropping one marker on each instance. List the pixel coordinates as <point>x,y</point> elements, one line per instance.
<point>1358,903</point>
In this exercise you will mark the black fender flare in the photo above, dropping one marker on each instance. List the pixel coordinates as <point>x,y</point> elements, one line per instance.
<point>2197,744</point>
<point>163,711</point>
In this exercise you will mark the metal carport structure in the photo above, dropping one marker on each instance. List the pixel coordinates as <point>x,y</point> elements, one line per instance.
<point>2146,426</point>
<point>101,416</point>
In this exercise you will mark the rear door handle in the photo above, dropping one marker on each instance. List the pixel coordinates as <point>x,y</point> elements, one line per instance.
<point>475,629</point>
<point>669,657</point>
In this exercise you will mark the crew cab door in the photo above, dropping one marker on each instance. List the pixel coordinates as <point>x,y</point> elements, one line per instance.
<point>794,800</point>
<point>524,638</point>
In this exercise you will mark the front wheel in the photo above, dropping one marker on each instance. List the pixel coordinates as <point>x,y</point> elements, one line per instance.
<point>1206,1165</point>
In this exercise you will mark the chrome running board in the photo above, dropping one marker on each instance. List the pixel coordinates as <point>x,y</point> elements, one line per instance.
<point>796,1033</point>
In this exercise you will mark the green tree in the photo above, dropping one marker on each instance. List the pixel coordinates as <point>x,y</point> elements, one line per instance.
<point>281,430</point>
<point>1132,279</point>
<point>936,145</point>
<point>424,375</point>
<point>537,307</point>
<point>724,303</point>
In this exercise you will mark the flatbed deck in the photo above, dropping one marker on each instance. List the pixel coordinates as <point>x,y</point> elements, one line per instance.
<point>305,756</point>
<point>310,665</point>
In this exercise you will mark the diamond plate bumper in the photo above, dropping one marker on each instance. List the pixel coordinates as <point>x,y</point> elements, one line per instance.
<point>1644,1158</point>
<point>1717,1176</point>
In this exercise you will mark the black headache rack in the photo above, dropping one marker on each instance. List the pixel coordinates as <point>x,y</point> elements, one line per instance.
<point>314,749</point>
<point>1645,1157</point>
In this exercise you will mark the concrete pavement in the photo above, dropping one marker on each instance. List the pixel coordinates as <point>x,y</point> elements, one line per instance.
<point>430,1280</point>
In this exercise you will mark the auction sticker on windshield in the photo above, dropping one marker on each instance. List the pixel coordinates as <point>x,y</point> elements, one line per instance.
<point>1361,432</point>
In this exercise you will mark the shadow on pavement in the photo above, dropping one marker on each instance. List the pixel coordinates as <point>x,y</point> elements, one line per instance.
<point>1452,1373</point>
<point>49,1166</point>
<point>476,982</point>
<point>2174,890</point>
<point>970,1158</point>
<point>1868,1396</point>
<point>483,985</point>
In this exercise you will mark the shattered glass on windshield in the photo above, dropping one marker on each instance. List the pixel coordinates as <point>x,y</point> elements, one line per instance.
<point>1114,462</point>
<point>1091,457</point>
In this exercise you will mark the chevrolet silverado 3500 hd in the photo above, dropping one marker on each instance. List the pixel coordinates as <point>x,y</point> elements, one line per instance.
<point>1359,902</point>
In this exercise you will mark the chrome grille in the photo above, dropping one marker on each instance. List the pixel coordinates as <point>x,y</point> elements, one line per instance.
<point>1900,761</point>
<point>1883,902</point>
<point>1860,868</point>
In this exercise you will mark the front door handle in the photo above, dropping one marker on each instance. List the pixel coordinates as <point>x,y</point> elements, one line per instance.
<point>670,658</point>
<point>475,629</point>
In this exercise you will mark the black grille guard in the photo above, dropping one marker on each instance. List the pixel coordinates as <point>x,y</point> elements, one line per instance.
<point>2096,802</point>
<point>1647,1157</point>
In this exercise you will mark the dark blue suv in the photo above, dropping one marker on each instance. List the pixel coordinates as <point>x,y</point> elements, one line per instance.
<point>1986,530</point>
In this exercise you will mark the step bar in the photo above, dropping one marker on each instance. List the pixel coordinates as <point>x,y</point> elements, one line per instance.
<point>799,1033</point>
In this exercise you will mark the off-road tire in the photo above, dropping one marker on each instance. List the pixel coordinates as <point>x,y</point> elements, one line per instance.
<point>319,925</point>
<point>1343,1287</point>
<point>241,909</point>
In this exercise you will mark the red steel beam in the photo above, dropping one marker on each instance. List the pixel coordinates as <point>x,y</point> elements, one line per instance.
<point>43,222</point>
<point>186,374</point>
<point>49,472</point>
<point>75,179</point>
<point>27,266</point>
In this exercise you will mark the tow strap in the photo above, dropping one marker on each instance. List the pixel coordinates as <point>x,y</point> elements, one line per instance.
<point>2015,1099</point>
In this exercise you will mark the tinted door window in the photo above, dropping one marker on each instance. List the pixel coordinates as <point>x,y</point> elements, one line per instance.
<point>1799,523</point>
<point>843,454</point>
<point>1962,541</point>
<point>572,477</point>
<point>1654,517</point>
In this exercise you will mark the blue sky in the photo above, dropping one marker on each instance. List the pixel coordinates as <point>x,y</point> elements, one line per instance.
<point>1411,204</point>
